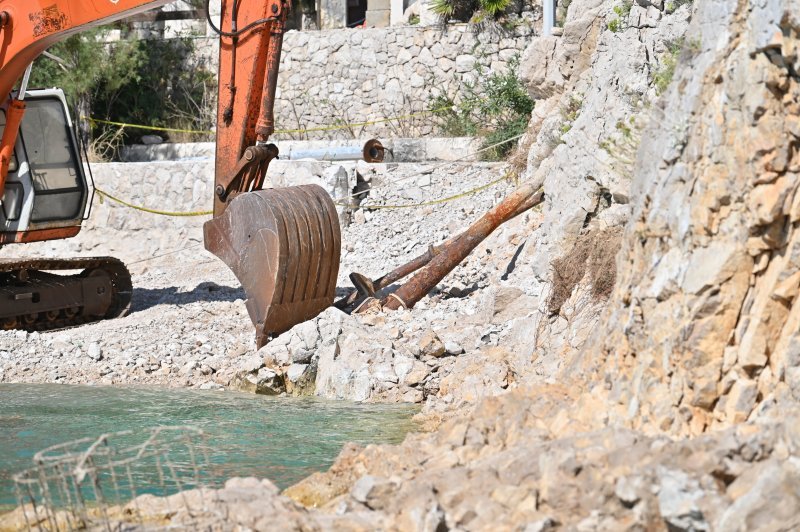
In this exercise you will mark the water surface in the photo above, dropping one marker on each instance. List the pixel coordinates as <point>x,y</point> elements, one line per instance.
<point>283,439</point>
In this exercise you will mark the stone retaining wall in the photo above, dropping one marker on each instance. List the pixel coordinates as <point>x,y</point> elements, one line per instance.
<point>347,76</point>
<point>175,186</point>
<point>397,150</point>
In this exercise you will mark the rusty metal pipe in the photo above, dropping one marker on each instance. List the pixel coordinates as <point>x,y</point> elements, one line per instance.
<point>387,279</point>
<point>367,288</point>
<point>458,248</point>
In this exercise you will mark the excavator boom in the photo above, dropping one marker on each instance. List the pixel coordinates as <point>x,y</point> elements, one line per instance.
<point>282,244</point>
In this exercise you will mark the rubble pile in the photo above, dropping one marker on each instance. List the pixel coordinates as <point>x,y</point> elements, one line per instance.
<point>189,325</point>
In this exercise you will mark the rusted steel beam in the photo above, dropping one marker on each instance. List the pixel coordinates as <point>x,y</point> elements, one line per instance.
<point>458,248</point>
<point>367,288</point>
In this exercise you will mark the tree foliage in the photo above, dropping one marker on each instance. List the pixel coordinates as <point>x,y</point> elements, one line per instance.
<point>469,9</point>
<point>144,82</point>
<point>167,89</point>
<point>85,68</point>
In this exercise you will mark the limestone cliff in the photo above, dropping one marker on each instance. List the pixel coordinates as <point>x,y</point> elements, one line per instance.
<point>703,329</point>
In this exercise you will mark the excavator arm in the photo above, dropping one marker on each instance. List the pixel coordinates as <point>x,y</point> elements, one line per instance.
<point>282,244</point>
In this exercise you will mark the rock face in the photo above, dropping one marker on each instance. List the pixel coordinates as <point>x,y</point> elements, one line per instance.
<point>592,87</point>
<point>703,330</point>
<point>700,334</point>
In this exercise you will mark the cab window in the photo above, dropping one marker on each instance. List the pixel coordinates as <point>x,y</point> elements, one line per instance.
<point>54,163</point>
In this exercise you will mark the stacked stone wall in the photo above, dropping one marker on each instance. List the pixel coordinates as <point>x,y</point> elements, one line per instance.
<point>339,77</point>
<point>350,76</point>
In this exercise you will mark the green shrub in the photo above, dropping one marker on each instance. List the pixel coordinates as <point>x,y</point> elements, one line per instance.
<point>569,113</point>
<point>454,120</point>
<point>624,129</point>
<point>494,8</point>
<point>622,12</point>
<point>167,92</point>
<point>497,109</point>
<point>444,8</point>
<point>86,68</point>
<point>474,11</point>
<point>673,5</point>
<point>666,69</point>
<point>624,9</point>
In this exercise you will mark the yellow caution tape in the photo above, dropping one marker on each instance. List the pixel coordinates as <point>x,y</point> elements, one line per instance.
<point>434,202</point>
<point>151,128</point>
<point>103,194</point>
<point>277,132</point>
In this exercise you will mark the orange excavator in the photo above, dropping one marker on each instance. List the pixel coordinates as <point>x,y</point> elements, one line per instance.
<point>282,244</point>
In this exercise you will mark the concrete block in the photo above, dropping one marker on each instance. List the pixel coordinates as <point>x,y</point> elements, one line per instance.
<point>378,19</point>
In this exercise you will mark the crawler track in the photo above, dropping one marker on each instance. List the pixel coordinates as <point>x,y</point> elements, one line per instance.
<point>36,296</point>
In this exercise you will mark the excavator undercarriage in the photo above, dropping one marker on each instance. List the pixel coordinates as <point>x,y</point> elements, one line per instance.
<point>43,294</point>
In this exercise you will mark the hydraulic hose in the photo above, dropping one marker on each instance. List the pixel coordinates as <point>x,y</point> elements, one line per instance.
<point>237,32</point>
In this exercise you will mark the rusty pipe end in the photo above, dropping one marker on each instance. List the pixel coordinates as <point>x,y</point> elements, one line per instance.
<point>374,152</point>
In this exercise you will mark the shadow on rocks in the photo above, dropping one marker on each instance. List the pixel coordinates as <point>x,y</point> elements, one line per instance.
<point>145,298</point>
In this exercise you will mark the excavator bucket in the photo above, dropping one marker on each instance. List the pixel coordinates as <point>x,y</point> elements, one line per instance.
<point>283,245</point>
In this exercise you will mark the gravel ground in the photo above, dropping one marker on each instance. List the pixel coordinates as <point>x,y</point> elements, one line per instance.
<point>188,325</point>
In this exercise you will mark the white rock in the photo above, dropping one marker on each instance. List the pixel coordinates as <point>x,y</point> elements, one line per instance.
<point>94,352</point>
<point>251,364</point>
<point>453,348</point>
<point>295,372</point>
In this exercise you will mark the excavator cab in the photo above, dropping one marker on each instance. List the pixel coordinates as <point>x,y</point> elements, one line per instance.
<point>46,190</point>
<point>45,198</point>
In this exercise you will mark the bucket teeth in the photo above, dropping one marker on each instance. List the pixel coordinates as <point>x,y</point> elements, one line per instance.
<point>283,245</point>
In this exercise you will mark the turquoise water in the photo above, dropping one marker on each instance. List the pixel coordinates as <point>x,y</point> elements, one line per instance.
<point>282,439</point>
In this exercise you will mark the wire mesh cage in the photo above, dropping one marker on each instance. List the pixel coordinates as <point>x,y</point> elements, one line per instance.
<point>120,480</point>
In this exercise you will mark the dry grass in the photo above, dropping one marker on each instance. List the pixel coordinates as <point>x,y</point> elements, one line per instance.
<point>105,146</point>
<point>519,158</point>
<point>593,257</point>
